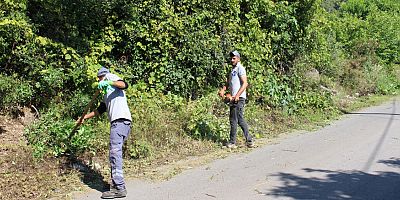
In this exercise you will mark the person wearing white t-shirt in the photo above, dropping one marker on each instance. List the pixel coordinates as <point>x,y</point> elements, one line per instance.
<point>237,83</point>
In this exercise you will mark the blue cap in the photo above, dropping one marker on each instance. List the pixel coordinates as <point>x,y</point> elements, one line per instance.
<point>234,53</point>
<point>103,71</point>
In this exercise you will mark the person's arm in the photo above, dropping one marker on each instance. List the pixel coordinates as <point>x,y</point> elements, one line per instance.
<point>243,80</point>
<point>90,115</point>
<point>119,84</point>
<point>221,92</point>
<point>100,109</point>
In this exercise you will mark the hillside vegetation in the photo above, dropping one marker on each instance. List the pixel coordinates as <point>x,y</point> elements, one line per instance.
<point>305,61</point>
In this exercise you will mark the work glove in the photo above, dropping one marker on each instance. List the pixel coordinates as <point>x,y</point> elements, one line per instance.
<point>105,86</point>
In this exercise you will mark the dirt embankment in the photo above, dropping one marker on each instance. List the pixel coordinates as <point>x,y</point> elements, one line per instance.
<point>22,176</point>
<point>12,130</point>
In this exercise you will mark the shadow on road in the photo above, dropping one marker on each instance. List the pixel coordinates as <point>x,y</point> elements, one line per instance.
<point>368,113</point>
<point>384,135</point>
<point>393,162</point>
<point>340,184</point>
<point>393,113</point>
<point>89,176</point>
<point>356,184</point>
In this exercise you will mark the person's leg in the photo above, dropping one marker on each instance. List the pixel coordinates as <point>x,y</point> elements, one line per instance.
<point>233,119</point>
<point>242,122</point>
<point>119,132</point>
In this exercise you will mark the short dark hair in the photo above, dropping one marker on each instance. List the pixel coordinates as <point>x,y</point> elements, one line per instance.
<point>234,53</point>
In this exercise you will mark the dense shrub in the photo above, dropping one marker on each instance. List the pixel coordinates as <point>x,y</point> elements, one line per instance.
<point>14,92</point>
<point>172,52</point>
<point>50,136</point>
<point>205,122</point>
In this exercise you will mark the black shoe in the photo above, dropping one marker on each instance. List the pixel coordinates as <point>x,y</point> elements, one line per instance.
<point>114,193</point>
<point>250,144</point>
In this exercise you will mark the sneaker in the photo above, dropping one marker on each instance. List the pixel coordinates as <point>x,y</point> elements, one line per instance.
<point>250,144</point>
<point>114,193</point>
<point>231,145</point>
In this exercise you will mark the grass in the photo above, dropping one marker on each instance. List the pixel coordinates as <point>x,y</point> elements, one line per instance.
<point>23,177</point>
<point>366,101</point>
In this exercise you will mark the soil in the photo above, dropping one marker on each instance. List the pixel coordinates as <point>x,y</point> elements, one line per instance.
<point>11,131</point>
<point>19,171</point>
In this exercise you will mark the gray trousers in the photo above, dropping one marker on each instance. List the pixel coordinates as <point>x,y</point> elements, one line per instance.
<point>119,132</point>
<point>236,117</point>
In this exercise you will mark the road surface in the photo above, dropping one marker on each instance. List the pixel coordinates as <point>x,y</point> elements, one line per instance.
<point>357,157</point>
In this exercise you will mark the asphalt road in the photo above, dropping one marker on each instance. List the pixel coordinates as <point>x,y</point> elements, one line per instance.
<point>357,157</point>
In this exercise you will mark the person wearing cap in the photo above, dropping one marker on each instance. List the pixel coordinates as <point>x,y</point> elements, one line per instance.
<point>237,84</point>
<point>115,104</point>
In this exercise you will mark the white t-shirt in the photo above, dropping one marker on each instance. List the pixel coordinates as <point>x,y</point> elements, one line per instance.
<point>116,102</point>
<point>234,80</point>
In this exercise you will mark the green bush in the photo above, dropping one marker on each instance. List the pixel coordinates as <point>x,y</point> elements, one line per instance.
<point>204,122</point>
<point>364,21</point>
<point>355,81</point>
<point>173,52</point>
<point>157,121</point>
<point>387,81</point>
<point>315,100</point>
<point>140,149</point>
<point>51,136</point>
<point>14,92</point>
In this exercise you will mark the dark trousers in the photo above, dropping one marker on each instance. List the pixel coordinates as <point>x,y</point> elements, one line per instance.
<point>236,117</point>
